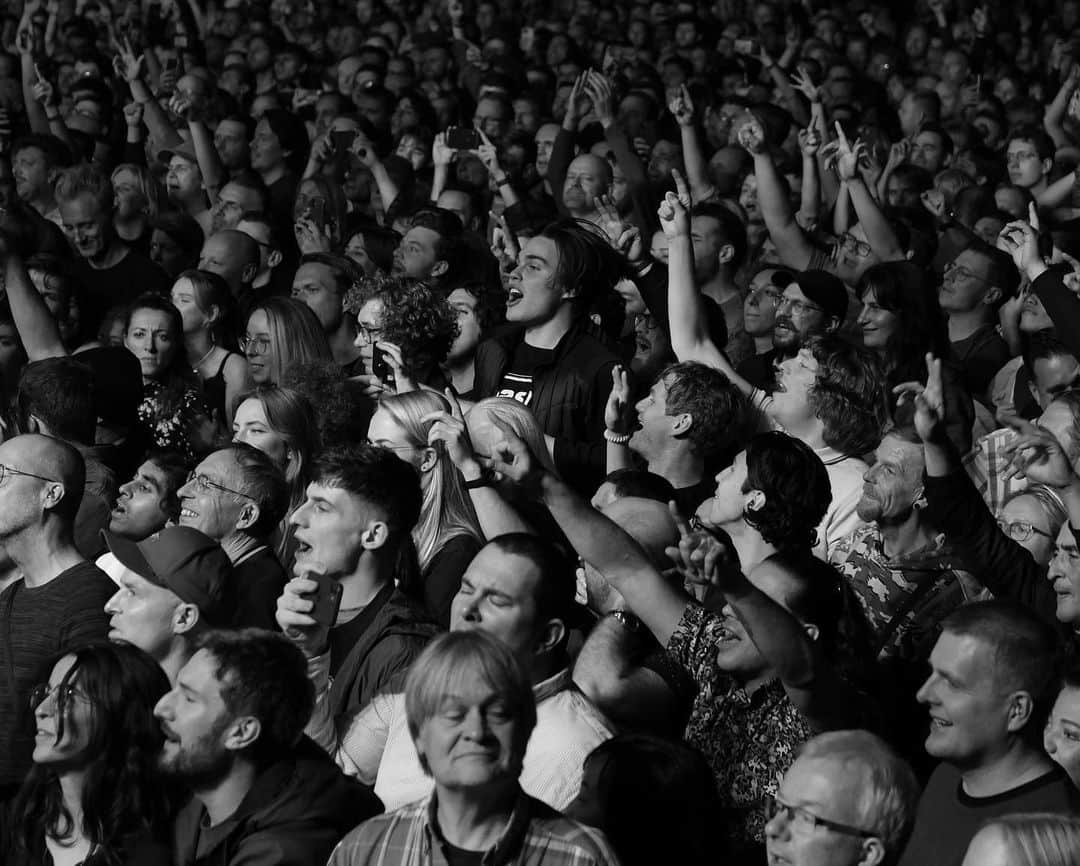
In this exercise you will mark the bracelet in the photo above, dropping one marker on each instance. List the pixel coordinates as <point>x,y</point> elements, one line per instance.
<point>502,181</point>
<point>627,620</point>
<point>616,438</point>
<point>485,479</point>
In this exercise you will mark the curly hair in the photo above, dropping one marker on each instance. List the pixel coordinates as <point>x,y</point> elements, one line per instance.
<point>720,412</point>
<point>123,794</point>
<point>848,395</point>
<point>415,318</point>
<point>796,487</point>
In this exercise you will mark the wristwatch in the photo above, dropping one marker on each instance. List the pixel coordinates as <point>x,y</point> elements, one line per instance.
<point>627,620</point>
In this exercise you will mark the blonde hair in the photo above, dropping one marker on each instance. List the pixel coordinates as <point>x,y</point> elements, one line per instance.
<point>1040,838</point>
<point>521,421</point>
<point>446,509</point>
<point>149,188</point>
<point>295,335</point>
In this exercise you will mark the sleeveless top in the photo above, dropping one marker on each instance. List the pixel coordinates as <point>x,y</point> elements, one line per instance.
<point>214,389</point>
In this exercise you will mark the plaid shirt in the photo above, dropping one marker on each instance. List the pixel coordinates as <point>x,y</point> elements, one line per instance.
<point>536,835</point>
<point>986,465</point>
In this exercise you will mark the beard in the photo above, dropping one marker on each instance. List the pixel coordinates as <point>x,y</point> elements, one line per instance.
<point>203,764</point>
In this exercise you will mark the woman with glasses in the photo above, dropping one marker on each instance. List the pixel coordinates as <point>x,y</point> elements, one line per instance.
<point>172,412</point>
<point>93,796</point>
<point>281,332</point>
<point>281,423</point>
<point>1033,518</point>
<point>206,308</point>
<point>447,535</point>
<point>901,321</point>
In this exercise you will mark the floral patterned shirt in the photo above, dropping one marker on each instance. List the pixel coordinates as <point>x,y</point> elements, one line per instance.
<point>749,740</point>
<point>168,421</point>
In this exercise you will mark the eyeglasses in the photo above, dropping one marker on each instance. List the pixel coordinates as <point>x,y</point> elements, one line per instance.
<point>759,295</point>
<point>254,345</point>
<point>11,470</point>
<point>205,485</point>
<point>390,447</point>
<point>799,308</point>
<point>1021,530</point>
<point>803,821</point>
<point>853,245</point>
<point>64,694</point>
<point>964,273</point>
<point>367,335</point>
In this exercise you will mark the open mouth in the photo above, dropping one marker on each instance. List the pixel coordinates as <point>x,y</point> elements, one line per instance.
<point>187,513</point>
<point>513,296</point>
<point>937,724</point>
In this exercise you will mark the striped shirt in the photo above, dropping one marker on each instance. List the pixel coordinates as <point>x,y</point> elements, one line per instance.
<point>535,835</point>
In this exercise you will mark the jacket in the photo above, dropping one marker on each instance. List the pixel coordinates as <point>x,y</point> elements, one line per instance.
<point>568,397</point>
<point>295,813</point>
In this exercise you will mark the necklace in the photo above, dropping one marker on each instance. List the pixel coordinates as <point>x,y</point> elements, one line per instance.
<point>199,363</point>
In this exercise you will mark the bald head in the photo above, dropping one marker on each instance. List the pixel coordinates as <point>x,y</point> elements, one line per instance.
<point>60,485</point>
<point>587,177</point>
<point>232,255</point>
<point>648,522</point>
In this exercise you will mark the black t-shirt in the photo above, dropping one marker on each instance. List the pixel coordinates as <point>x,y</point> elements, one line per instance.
<point>343,638</point>
<point>517,381</point>
<point>460,857</point>
<point>689,498</point>
<point>760,370</point>
<point>106,288</point>
<point>257,585</point>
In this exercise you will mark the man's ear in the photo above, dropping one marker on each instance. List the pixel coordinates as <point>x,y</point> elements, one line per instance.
<point>726,254</point>
<point>242,733</point>
<point>1021,706</point>
<point>185,618</point>
<point>249,516</point>
<point>374,535</point>
<point>682,424</point>
<point>273,260</point>
<point>755,500</point>
<point>248,274</point>
<point>993,293</point>
<point>439,268</point>
<point>551,635</point>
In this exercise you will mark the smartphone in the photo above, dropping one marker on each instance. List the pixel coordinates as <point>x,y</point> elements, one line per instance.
<point>171,64</point>
<point>342,140</point>
<point>462,138</point>
<point>745,46</point>
<point>327,599</point>
<point>181,41</point>
<point>380,369</point>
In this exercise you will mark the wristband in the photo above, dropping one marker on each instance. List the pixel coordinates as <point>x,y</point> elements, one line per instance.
<point>502,181</point>
<point>627,620</point>
<point>485,479</point>
<point>616,438</point>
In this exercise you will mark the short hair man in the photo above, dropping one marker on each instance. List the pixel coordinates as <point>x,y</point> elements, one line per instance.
<point>238,497</point>
<point>57,601</point>
<point>233,256</point>
<point>36,162</point>
<point>243,193</point>
<point>931,149</point>
<point>355,528</point>
<point>719,241</point>
<point>273,274</point>
<point>1029,158</point>
<point>233,726</point>
<point>975,285</point>
<point>149,500</point>
<point>430,250</point>
<point>689,421</point>
<point>111,272</point>
<point>185,184</point>
<point>519,589</point>
<point>173,586</point>
<point>992,678</point>
<point>587,178</point>
<point>848,800</point>
<point>322,281</point>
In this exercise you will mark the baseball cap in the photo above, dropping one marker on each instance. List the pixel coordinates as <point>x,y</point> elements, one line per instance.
<point>821,287</point>
<point>185,561</point>
<point>184,149</point>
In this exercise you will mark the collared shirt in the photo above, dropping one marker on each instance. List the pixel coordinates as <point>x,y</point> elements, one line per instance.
<point>749,740</point>
<point>535,835</point>
<point>379,749</point>
<point>886,588</point>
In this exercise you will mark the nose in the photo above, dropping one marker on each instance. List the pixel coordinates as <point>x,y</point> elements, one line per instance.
<point>163,708</point>
<point>299,517</point>
<point>925,694</point>
<point>186,490</point>
<point>112,605</point>
<point>476,725</point>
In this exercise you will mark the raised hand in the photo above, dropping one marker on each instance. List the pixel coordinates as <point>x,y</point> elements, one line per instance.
<point>752,136</point>
<point>449,429</point>
<point>674,210</point>
<point>308,237</point>
<point>608,219</point>
<point>929,402</point>
<point>504,245</point>
<point>511,459</point>
<point>847,156</point>
<point>802,81</point>
<point>682,107</point>
<point>1037,455</point>
<point>578,101</point>
<point>489,155</point>
<point>133,115</point>
<point>295,607</point>
<point>126,64</point>
<point>1021,241</point>
<point>809,142</point>
<point>440,153</point>
<point>698,555</point>
<point>617,410</point>
<point>980,18</point>
<point>44,91</point>
<point>598,88</point>
<point>898,153</point>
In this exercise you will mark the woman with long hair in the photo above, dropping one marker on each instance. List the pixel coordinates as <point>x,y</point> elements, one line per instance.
<point>206,308</point>
<point>281,332</point>
<point>320,213</point>
<point>447,536</point>
<point>901,321</point>
<point>94,796</point>
<point>281,423</point>
<point>172,411</point>
<point>1034,839</point>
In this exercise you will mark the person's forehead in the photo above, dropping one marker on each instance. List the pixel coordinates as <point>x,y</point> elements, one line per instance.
<point>313,272</point>
<point>512,575</point>
<point>421,235</point>
<point>462,298</point>
<point>146,317</point>
<point>231,128</point>
<point>152,472</point>
<point>220,464</point>
<point>896,451</point>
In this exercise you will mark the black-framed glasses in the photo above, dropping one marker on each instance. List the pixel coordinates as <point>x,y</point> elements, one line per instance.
<point>11,470</point>
<point>852,244</point>
<point>205,485</point>
<point>1021,530</point>
<point>65,694</point>
<point>805,821</point>
<point>964,273</point>
<point>799,308</point>
<point>389,447</point>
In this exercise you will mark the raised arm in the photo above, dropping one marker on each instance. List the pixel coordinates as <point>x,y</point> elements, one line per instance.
<point>879,233</point>
<point>697,169</point>
<point>37,328</point>
<point>791,243</point>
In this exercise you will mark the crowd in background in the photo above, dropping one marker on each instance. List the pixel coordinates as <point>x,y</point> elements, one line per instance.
<point>573,434</point>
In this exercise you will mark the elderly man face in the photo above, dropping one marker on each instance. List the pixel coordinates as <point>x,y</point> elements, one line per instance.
<point>587,177</point>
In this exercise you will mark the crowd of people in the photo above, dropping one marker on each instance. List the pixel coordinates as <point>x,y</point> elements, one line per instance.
<point>570,435</point>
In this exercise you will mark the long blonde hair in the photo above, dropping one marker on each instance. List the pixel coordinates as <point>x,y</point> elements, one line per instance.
<point>1040,838</point>
<point>521,421</point>
<point>446,509</point>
